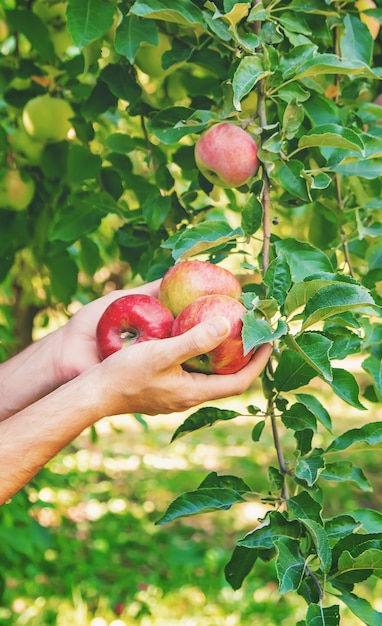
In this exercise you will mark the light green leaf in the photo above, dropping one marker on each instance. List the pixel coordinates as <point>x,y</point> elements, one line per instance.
<point>334,300</point>
<point>200,238</point>
<point>332,135</point>
<point>131,32</point>
<point>34,29</point>
<point>258,331</point>
<point>370,434</point>
<point>206,416</point>
<point>368,560</point>
<point>182,12</point>
<point>290,564</point>
<point>371,520</point>
<point>365,168</point>
<point>332,64</point>
<point>88,20</point>
<point>356,41</point>
<point>248,73</point>
<point>344,471</point>
<point>200,501</point>
<point>303,259</point>
<point>315,407</point>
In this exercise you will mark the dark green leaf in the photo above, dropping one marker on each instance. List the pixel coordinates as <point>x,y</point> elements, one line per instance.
<point>34,29</point>
<point>206,416</point>
<point>214,480</point>
<point>257,331</point>
<point>257,431</point>
<point>88,20</point>
<point>334,300</point>
<point>315,407</point>
<point>320,542</point>
<point>303,259</point>
<point>303,506</point>
<point>344,471</point>
<point>239,566</point>
<point>361,608</point>
<point>290,564</point>
<point>292,181</point>
<point>200,238</point>
<point>183,12</point>
<point>251,216</point>
<point>278,279</point>
<point>323,616</point>
<point>370,434</point>
<point>346,387</point>
<point>292,371</point>
<point>371,520</point>
<point>200,501</point>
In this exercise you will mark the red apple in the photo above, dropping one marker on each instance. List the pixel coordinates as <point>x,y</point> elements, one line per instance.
<point>132,319</point>
<point>227,155</point>
<point>229,356</point>
<point>188,280</point>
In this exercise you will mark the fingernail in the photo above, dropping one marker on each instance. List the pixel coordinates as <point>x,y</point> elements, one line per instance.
<point>219,326</point>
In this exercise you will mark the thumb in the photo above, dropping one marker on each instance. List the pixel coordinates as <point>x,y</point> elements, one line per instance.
<point>200,339</point>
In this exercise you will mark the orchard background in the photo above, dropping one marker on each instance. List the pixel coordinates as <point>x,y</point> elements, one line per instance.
<point>286,484</point>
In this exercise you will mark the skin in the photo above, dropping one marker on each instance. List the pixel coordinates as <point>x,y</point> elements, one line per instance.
<point>57,387</point>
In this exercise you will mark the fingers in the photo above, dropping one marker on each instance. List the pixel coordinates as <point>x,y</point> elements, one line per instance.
<point>198,340</point>
<point>213,387</point>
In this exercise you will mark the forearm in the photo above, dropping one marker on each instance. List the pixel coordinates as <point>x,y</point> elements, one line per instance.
<point>34,435</point>
<point>29,375</point>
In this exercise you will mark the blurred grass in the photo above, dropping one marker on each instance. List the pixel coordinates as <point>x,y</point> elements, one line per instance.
<point>106,563</point>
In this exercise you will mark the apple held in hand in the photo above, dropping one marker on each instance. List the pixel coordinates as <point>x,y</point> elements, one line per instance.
<point>132,319</point>
<point>226,155</point>
<point>228,357</point>
<point>188,280</point>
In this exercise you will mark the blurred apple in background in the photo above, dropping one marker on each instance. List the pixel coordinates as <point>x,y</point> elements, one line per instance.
<point>26,150</point>
<point>47,119</point>
<point>17,189</point>
<point>371,22</point>
<point>149,57</point>
<point>188,280</point>
<point>226,155</point>
<point>228,357</point>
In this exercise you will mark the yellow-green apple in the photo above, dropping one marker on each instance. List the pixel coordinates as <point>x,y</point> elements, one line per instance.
<point>25,149</point>
<point>226,155</point>
<point>228,357</point>
<point>188,280</point>
<point>54,15</point>
<point>371,22</point>
<point>4,30</point>
<point>47,119</point>
<point>132,319</point>
<point>149,57</point>
<point>17,189</point>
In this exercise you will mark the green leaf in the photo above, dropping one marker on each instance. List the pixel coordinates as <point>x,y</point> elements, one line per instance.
<point>302,291</point>
<point>200,501</point>
<point>257,430</point>
<point>315,348</point>
<point>356,41</point>
<point>344,471</point>
<point>290,564</point>
<point>155,209</point>
<point>173,123</point>
<point>239,566</point>
<point>371,520</point>
<point>368,560</point>
<point>200,238</point>
<point>291,180</point>
<point>321,543</point>
<point>249,71</point>
<point>214,480</point>
<point>121,82</point>
<point>298,417</point>
<point>315,407</point>
<point>361,608</point>
<point>257,331</point>
<point>303,506</point>
<point>318,615</point>
<point>183,12</point>
<point>88,20</point>
<point>292,371</point>
<point>309,468</point>
<point>365,168</point>
<point>278,279</point>
<point>63,276</point>
<point>82,164</point>
<point>75,221</point>
<point>346,387</point>
<point>370,434</point>
<point>303,259</point>
<point>131,32</point>
<point>35,30</point>
<point>206,416</point>
<point>373,366</point>
<point>120,143</point>
<point>251,216</point>
<point>267,533</point>
<point>332,64</point>
<point>340,526</point>
<point>332,135</point>
<point>334,300</point>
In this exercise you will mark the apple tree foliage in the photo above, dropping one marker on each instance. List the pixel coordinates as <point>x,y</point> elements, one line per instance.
<point>121,198</point>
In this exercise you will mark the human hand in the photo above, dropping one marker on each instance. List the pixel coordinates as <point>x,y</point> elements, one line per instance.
<point>148,377</point>
<point>76,340</point>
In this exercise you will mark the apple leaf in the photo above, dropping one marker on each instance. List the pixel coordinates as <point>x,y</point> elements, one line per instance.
<point>278,279</point>
<point>356,42</point>
<point>258,331</point>
<point>373,366</point>
<point>334,300</point>
<point>248,73</point>
<point>173,123</point>
<point>308,469</point>
<point>365,168</point>
<point>298,418</point>
<point>206,416</point>
<point>182,12</point>
<point>314,348</point>
<point>200,501</point>
<point>332,135</point>
<point>320,541</point>
<point>369,433</point>
<point>131,32</point>
<point>318,615</point>
<point>328,63</point>
<point>371,520</point>
<point>251,216</point>
<point>200,238</point>
<point>360,607</point>
<point>34,29</point>
<point>292,181</point>
<point>292,371</point>
<point>344,471</point>
<point>315,407</point>
<point>88,20</point>
<point>274,526</point>
<point>302,291</point>
<point>239,566</point>
<point>303,259</point>
<point>290,564</point>
<point>346,387</point>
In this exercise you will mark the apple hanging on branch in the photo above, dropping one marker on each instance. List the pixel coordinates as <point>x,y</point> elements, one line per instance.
<point>226,155</point>
<point>188,280</point>
<point>132,319</point>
